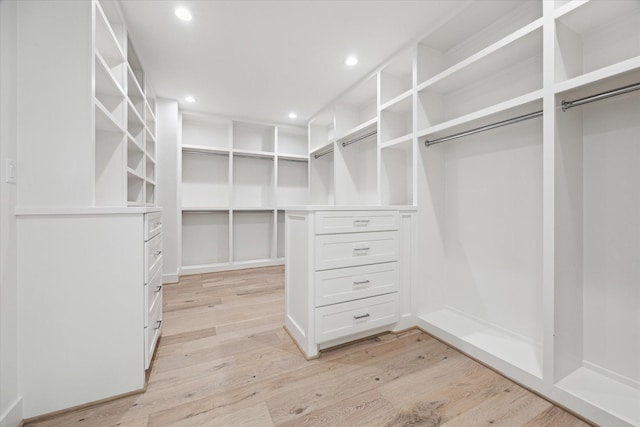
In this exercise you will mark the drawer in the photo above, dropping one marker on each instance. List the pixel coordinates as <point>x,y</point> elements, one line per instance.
<point>341,320</point>
<point>328,222</point>
<point>152,225</point>
<point>152,256</point>
<point>152,332</point>
<point>346,284</point>
<point>153,290</point>
<point>347,250</point>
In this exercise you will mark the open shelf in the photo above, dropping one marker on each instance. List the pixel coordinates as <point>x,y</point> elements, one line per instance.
<point>150,145</point>
<point>135,189</point>
<point>109,92</point>
<point>150,169</point>
<point>357,107</point>
<point>509,347</point>
<point>292,142</point>
<point>252,236</point>
<point>396,78</point>
<point>135,125</point>
<point>205,179</point>
<point>293,183</point>
<point>206,131</point>
<point>135,94</point>
<point>253,137</point>
<point>486,187</point>
<point>449,45</point>
<point>321,130</point>
<point>511,71</point>
<point>253,181</point>
<point>108,47</point>
<point>597,238</point>
<point>396,120</point>
<point>150,193</point>
<point>397,174</point>
<point>110,171</point>
<point>135,157</point>
<point>205,238</point>
<point>596,35</point>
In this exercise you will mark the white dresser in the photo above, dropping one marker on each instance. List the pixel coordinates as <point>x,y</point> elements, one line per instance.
<point>152,283</point>
<point>341,276</point>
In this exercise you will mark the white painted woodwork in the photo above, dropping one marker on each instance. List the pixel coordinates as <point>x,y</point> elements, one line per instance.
<point>526,240</point>
<point>80,317</point>
<point>335,291</point>
<point>234,176</point>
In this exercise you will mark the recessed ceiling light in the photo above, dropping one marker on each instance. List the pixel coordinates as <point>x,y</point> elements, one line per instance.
<point>190,99</point>
<point>351,61</point>
<point>183,14</point>
<point>292,115</point>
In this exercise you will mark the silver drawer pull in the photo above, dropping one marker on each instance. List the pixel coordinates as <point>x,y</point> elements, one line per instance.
<point>158,289</point>
<point>361,222</point>
<point>159,323</point>
<point>157,224</point>
<point>361,249</point>
<point>362,316</point>
<point>361,282</point>
<point>157,253</point>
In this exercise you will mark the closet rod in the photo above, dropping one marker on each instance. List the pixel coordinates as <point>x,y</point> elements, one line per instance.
<point>604,95</point>
<point>205,153</point>
<point>483,128</point>
<point>317,156</point>
<point>359,138</point>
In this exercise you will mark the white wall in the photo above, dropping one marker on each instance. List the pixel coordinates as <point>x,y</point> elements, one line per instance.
<point>10,398</point>
<point>168,178</point>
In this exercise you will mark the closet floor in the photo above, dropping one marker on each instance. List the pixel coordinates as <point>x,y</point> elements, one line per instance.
<point>225,360</point>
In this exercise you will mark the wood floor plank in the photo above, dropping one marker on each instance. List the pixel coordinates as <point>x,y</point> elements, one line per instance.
<point>225,360</point>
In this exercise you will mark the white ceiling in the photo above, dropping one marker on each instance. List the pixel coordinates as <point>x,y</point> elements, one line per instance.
<point>261,59</point>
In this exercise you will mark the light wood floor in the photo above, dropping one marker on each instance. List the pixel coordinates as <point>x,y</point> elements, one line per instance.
<point>225,360</point>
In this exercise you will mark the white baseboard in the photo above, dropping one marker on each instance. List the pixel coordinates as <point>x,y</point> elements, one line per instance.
<point>169,278</point>
<point>12,417</point>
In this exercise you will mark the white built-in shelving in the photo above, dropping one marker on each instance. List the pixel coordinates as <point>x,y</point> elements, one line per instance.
<point>235,175</point>
<point>527,254</point>
<point>124,118</point>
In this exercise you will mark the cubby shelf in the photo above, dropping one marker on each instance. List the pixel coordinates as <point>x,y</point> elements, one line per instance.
<point>235,174</point>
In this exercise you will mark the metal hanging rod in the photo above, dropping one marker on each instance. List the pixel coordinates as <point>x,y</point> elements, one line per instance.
<point>317,156</point>
<point>205,153</point>
<point>524,117</point>
<point>604,95</point>
<point>359,138</point>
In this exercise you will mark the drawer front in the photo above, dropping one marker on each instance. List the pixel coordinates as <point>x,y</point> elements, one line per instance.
<point>347,250</point>
<point>153,292</point>
<point>152,332</point>
<point>346,284</point>
<point>152,256</point>
<point>356,221</point>
<point>341,320</point>
<point>152,225</point>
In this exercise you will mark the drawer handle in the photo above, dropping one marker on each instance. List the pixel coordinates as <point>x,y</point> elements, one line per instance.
<point>358,250</point>
<point>157,224</point>
<point>158,289</point>
<point>157,253</point>
<point>361,282</point>
<point>362,316</point>
<point>361,222</point>
<point>159,323</point>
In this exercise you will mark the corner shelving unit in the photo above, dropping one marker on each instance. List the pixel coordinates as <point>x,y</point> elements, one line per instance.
<point>235,174</point>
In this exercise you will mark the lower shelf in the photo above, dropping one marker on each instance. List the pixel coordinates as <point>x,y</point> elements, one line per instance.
<point>604,392</point>
<point>454,327</point>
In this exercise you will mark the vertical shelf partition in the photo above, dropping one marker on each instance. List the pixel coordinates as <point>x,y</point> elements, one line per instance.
<point>235,174</point>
